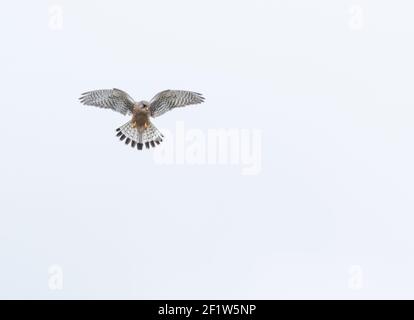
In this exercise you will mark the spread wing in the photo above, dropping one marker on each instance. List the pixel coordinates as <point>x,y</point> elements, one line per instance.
<point>114,99</point>
<point>170,99</point>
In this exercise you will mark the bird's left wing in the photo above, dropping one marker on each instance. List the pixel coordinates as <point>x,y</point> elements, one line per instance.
<point>170,99</point>
<point>114,99</point>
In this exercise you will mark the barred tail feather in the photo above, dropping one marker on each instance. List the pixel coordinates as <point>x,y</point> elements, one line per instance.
<point>150,137</point>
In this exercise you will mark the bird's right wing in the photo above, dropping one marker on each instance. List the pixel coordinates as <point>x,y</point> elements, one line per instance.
<point>170,99</point>
<point>114,99</point>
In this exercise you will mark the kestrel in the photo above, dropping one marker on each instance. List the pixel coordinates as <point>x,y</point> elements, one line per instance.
<point>139,131</point>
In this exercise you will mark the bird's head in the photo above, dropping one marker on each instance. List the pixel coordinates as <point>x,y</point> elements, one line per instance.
<point>144,105</point>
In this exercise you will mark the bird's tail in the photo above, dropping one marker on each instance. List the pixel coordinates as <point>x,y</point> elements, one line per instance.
<point>149,137</point>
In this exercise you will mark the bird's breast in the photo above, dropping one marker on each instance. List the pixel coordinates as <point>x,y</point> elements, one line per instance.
<point>140,120</point>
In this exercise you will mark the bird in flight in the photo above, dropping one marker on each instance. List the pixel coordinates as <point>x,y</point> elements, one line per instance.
<point>140,131</point>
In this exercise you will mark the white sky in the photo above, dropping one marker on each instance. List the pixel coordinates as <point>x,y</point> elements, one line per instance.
<point>331,94</point>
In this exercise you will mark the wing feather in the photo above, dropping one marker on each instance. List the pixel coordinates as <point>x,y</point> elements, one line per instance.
<point>114,99</point>
<point>170,99</point>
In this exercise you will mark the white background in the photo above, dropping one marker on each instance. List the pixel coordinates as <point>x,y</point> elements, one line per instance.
<point>332,96</point>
